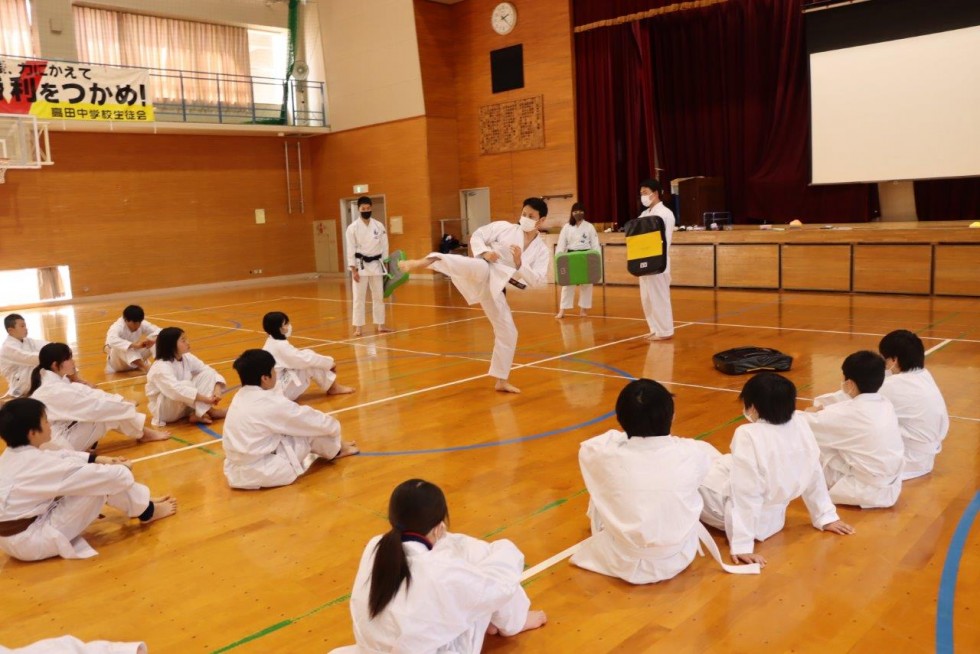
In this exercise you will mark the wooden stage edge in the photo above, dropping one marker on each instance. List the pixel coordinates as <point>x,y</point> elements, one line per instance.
<point>928,258</point>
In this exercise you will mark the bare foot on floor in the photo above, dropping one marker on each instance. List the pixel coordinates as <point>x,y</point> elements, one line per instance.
<point>534,620</point>
<point>385,330</point>
<point>347,448</point>
<point>654,337</point>
<point>584,313</point>
<point>204,420</point>
<point>163,507</point>
<point>216,413</point>
<point>357,332</point>
<point>150,435</point>
<point>340,389</point>
<point>503,386</point>
<point>492,630</point>
<point>560,315</point>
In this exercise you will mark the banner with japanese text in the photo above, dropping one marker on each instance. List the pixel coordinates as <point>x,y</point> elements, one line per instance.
<point>73,91</point>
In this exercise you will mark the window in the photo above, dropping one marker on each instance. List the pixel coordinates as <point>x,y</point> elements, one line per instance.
<point>267,54</point>
<point>16,33</point>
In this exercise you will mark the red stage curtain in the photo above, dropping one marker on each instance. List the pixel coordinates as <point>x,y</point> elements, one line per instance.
<point>948,199</point>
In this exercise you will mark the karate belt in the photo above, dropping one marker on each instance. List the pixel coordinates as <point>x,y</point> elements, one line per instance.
<point>363,259</point>
<point>709,542</point>
<point>10,528</point>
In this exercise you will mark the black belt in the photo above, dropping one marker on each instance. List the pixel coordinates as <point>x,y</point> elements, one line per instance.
<point>363,258</point>
<point>10,528</point>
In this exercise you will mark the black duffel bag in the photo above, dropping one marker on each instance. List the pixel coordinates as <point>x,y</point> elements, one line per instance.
<point>740,360</point>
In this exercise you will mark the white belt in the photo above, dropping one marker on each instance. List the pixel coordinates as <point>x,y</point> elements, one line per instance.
<point>709,542</point>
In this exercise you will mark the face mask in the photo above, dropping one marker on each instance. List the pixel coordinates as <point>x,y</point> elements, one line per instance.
<point>745,412</point>
<point>365,215</point>
<point>528,224</point>
<point>843,388</point>
<point>646,200</point>
<point>289,331</point>
<point>888,372</point>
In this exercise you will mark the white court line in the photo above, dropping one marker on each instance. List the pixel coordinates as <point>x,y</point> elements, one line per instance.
<point>547,563</point>
<point>965,418</point>
<point>213,441</point>
<point>824,331</point>
<point>936,347</point>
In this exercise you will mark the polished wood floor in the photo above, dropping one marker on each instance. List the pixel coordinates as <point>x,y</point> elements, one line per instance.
<point>270,571</point>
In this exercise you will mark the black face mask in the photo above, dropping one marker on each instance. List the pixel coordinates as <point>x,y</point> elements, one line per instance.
<point>365,215</point>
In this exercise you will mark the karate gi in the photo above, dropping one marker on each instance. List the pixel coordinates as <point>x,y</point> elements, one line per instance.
<point>655,289</point>
<point>119,357</point>
<point>922,418</point>
<point>72,645</point>
<point>268,438</point>
<point>861,450</point>
<point>457,590</point>
<point>172,387</point>
<point>574,238</point>
<point>484,282</point>
<point>298,367</point>
<point>80,415</point>
<point>17,359</point>
<point>746,492</point>
<point>67,493</point>
<point>644,505</point>
<point>370,239</point>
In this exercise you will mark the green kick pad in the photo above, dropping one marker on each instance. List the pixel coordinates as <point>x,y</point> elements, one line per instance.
<point>394,277</point>
<point>577,268</point>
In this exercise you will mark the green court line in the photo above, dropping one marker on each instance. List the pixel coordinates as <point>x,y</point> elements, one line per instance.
<point>704,435</point>
<point>939,322</point>
<point>543,509</point>
<point>201,449</point>
<point>280,625</point>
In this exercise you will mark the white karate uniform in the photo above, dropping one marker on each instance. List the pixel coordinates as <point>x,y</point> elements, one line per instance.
<point>922,418</point>
<point>655,289</point>
<point>72,645</point>
<point>66,492</point>
<point>644,505</point>
<point>484,282</point>
<point>268,438</point>
<point>172,387</point>
<point>573,238</point>
<point>746,492</point>
<point>17,359</point>
<point>369,239</point>
<point>81,415</point>
<point>297,367</point>
<point>120,357</point>
<point>861,450</point>
<point>458,589</point>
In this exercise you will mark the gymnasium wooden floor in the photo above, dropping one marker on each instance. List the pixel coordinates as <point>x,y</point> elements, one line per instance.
<point>271,571</point>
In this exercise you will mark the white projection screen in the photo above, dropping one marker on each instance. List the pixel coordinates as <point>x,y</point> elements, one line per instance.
<point>895,108</point>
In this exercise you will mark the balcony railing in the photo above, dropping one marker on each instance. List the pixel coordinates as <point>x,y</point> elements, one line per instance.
<point>183,96</point>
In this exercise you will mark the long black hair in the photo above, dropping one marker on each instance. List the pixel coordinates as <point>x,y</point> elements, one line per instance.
<point>167,343</point>
<point>50,354</point>
<point>416,507</point>
<point>272,323</point>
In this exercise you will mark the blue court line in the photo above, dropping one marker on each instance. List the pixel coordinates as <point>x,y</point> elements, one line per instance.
<point>947,583</point>
<point>207,430</point>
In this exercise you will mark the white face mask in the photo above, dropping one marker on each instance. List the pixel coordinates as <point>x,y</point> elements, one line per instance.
<point>745,412</point>
<point>528,224</point>
<point>646,200</point>
<point>843,388</point>
<point>289,330</point>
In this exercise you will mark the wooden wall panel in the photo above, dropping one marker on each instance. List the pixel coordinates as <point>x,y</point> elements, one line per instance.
<point>892,268</point>
<point>436,34</point>
<point>129,212</point>
<point>615,266</point>
<point>544,29</point>
<point>748,266</point>
<point>957,270</point>
<point>816,267</point>
<point>692,265</point>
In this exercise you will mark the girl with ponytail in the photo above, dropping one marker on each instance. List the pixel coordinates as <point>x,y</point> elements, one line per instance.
<point>79,414</point>
<point>420,588</point>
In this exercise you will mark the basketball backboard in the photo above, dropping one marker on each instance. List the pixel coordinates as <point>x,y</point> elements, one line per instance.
<point>24,143</point>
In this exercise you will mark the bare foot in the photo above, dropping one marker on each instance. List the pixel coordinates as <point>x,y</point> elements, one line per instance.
<point>560,315</point>
<point>164,507</point>
<point>347,448</point>
<point>150,435</point>
<point>492,630</point>
<point>217,413</point>
<point>583,312</point>
<point>339,389</point>
<point>503,386</point>
<point>654,337</point>
<point>141,366</point>
<point>384,330</point>
<point>204,420</point>
<point>534,620</point>
<point>411,265</point>
<point>357,330</point>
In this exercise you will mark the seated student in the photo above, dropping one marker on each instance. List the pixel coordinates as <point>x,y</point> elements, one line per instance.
<point>861,447</point>
<point>420,588</point>
<point>643,486</point>
<point>774,459</point>
<point>503,253</point>
<point>18,355</point>
<point>129,341</point>
<point>270,440</point>
<point>81,415</point>
<point>72,645</point>
<point>296,367</point>
<point>919,404</point>
<point>50,497</point>
<point>179,384</point>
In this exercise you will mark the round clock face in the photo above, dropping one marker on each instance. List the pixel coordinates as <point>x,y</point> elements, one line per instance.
<point>504,18</point>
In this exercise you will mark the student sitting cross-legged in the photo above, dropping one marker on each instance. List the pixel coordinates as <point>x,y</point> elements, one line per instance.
<point>129,341</point>
<point>270,440</point>
<point>861,446</point>
<point>643,486</point>
<point>296,367</point>
<point>774,459</point>
<point>50,497</point>
<point>180,385</point>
